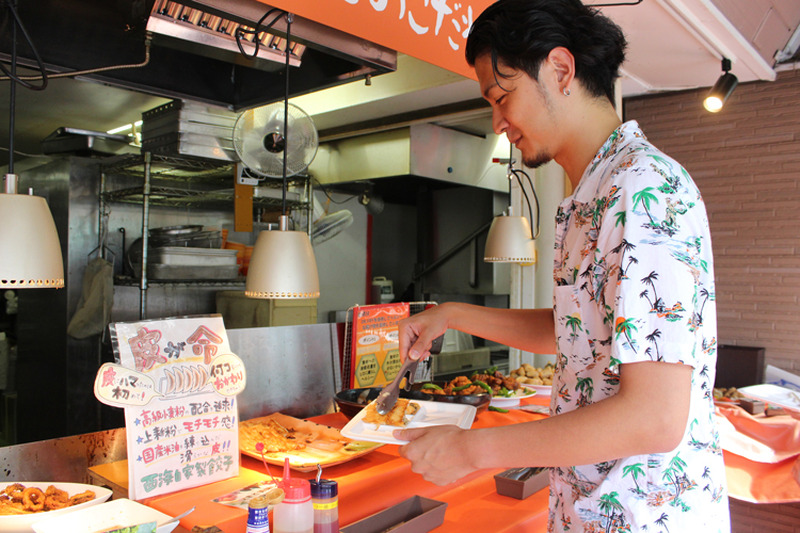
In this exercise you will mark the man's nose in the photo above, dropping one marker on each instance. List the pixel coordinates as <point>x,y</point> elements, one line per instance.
<point>499,124</point>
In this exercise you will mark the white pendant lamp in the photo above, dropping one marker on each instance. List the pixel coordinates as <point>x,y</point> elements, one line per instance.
<point>30,251</point>
<point>510,241</point>
<point>282,264</point>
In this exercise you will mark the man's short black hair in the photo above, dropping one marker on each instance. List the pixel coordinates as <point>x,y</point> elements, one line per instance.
<point>521,33</point>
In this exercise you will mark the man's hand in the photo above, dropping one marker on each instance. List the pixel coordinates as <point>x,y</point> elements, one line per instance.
<point>417,333</point>
<point>440,453</point>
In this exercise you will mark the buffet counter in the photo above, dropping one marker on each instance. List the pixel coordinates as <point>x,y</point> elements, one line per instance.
<point>367,485</point>
<point>381,478</point>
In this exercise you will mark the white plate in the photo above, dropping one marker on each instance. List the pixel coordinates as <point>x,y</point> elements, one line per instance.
<point>543,390</point>
<point>429,414</point>
<point>774,394</point>
<point>510,401</point>
<point>22,523</point>
<point>118,513</point>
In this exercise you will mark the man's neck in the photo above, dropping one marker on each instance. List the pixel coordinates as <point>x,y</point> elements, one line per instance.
<point>591,125</point>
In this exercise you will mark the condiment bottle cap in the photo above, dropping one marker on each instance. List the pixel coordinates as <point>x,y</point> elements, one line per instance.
<point>297,490</point>
<point>324,488</point>
<point>258,503</point>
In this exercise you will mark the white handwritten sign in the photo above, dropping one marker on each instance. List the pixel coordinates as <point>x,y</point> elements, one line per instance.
<point>177,381</point>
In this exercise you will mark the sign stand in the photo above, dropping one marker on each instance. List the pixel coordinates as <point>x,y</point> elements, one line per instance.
<point>177,381</point>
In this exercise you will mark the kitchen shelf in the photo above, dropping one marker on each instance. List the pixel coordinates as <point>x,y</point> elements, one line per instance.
<point>193,183</point>
<point>149,179</point>
<point>233,284</point>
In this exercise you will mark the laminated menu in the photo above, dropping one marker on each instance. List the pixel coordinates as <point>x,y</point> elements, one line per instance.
<point>374,357</point>
<point>177,381</point>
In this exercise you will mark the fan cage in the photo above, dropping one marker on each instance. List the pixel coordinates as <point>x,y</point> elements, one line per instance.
<point>253,125</point>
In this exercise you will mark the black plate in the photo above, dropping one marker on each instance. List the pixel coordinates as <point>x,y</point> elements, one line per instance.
<point>351,401</point>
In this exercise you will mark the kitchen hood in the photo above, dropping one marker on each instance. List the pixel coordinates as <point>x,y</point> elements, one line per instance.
<point>434,153</point>
<point>193,54</point>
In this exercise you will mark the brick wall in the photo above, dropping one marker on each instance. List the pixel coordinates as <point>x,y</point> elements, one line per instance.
<point>746,161</point>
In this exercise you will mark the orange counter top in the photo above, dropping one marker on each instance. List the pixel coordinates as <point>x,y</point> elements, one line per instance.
<point>382,478</point>
<point>367,485</point>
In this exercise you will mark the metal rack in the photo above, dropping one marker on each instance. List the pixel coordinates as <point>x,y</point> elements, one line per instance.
<point>183,182</point>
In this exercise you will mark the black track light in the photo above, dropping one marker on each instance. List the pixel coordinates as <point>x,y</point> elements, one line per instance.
<point>722,89</point>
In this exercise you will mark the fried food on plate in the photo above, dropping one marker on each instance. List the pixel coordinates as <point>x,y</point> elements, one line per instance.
<point>400,415</point>
<point>18,499</point>
<point>272,435</point>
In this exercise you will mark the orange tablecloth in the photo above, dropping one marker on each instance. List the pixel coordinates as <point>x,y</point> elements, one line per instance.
<point>382,478</point>
<point>759,455</point>
<point>372,483</point>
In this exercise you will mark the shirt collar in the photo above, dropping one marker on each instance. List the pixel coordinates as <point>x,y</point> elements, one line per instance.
<point>590,181</point>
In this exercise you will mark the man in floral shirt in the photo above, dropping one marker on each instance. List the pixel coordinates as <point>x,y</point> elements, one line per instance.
<point>632,441</point>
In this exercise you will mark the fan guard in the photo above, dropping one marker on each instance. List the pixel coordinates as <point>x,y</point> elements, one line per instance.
<point>259,140</point>
<point>328,226</point>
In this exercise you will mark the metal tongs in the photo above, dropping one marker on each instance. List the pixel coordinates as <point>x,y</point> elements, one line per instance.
<point>388,396</point>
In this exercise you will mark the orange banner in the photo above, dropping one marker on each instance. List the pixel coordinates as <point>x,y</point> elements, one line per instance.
<point>434,31</point>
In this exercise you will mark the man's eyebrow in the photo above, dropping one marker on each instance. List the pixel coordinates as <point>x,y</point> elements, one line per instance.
<point>486,91</point>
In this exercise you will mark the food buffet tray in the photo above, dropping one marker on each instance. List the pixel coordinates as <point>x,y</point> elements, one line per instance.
<point>520,483</point>
<point>191,256</point>
<point>178,272</point>
<point>773,394</point>
<point>112,515</point>
<point>324,445</point>
<point>430,414</point>
<point>414,515</point>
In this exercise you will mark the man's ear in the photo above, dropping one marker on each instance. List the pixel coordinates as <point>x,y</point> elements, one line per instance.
<point>562,62</point>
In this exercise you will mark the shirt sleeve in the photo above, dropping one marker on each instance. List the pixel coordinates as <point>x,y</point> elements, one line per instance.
<point>653,245</point>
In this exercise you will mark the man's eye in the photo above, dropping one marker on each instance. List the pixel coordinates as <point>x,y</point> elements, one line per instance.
<point>499,100</point>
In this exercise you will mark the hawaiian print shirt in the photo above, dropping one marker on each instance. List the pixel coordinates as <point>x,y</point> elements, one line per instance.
<point>634,281</point>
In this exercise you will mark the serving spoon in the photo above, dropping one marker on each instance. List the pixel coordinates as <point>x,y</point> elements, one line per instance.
<point>177,518</point>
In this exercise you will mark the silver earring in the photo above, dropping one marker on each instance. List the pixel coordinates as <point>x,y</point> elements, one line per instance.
<point>566,91</point>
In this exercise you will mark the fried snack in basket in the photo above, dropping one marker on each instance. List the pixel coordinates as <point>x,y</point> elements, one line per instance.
<point>396,417</point>
<point>18,499</point>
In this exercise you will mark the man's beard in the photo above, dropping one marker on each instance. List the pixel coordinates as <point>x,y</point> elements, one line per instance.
<point>537,160</point>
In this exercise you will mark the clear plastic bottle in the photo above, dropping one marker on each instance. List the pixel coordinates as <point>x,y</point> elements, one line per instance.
<point>325,500</point>
<point>294,514</point>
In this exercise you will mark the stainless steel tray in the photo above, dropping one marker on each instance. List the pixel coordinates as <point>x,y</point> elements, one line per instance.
<point>181,272</point>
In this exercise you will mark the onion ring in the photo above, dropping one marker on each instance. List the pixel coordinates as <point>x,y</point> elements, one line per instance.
<point>33,499</point>
<point>84,496</point>
<point>15,491</point>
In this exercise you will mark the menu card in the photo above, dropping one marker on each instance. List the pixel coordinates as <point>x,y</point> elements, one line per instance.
<point>375,349</point>
<point>177,381</point>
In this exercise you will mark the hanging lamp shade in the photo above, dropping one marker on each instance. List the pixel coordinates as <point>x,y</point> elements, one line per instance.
<point>510,241</point>
<point>282,265</point>
<point>30,251</point>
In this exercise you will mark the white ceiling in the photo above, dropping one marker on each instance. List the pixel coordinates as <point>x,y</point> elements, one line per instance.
<point>673,45</point>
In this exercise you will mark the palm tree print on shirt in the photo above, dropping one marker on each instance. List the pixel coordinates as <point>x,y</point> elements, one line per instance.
<point>632,245</point>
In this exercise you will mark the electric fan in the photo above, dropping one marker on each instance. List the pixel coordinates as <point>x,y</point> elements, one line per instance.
<point>328,226</point>
<point>260,140</point>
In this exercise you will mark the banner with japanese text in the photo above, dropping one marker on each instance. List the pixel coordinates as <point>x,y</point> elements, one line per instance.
<point>434,31</point>
<point>177,381</point>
